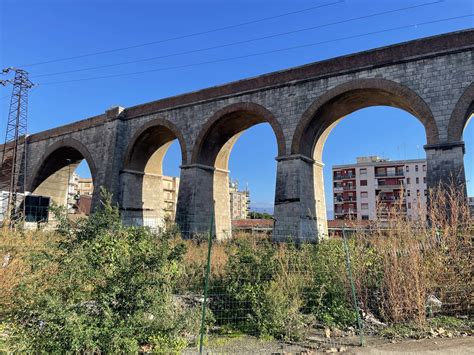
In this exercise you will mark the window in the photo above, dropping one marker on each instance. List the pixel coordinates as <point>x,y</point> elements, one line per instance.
<point>424,167</point>
<point>417,180</point>
<point>364,194</point>
<point>426,192</point>
<point>417,192</point>
<point>409,205</point>
<point>407,168</point>
<point>416,167</point>
<point>408,192</point>
<point>363,182</point>
<point>408,181</point>
<point>364,206</point>
<point>365,217</point>
<point>363,171</point>
<point>424,180</point>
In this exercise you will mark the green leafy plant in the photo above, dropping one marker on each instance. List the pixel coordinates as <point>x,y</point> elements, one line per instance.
<point>111,292</point>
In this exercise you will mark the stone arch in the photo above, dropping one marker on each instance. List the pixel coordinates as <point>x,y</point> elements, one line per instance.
<point>351,96</point>
<point>166,132</point>
<point>462,112</point>
<point>211,154</point>
<point>142,195</point>
<point>226,124</point>
<point>324,114</point>
<point>66,148</point>
<point>51,175</point>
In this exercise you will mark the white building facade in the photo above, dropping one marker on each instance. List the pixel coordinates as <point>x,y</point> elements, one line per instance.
<point>170,195</point>
<point>239,202</point>
<point>373,186</point>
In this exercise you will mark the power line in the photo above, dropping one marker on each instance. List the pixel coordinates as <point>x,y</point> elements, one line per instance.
<point>195,34</point>
<point>240,42</point>
<point>29,93</point>
<point>259,53</point>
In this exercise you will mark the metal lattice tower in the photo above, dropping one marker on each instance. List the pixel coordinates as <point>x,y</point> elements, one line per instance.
<point>13,158</point>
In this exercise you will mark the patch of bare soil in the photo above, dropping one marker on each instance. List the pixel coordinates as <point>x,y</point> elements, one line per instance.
<point>375,345</point>
<point>463,345</point>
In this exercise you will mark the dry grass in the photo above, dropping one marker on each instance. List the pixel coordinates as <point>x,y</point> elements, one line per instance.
<point>418,259</point>
<point>19,253</point>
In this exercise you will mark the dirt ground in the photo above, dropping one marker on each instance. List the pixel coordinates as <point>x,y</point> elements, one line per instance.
<point>464,345</point>
<point>375,345</point>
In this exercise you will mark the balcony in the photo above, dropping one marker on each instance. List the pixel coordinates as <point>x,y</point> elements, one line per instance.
<point>389,186</point>
<point>349,188</point>
<point>351,211</point>
<point>385,174</point>
<point>337,188</point>
<point>344,199</point>
<point>392,202</point>
<point>344,177</point>
<point>390,198</point>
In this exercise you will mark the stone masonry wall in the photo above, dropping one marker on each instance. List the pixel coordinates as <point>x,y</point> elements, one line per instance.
<point>438,76</point>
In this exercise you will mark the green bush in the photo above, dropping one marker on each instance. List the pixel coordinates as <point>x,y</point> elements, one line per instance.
<point>328,296</point>
<point>111,291</point>
<point>240,289</point>
<point>280,313</point>
<point>277,290</point>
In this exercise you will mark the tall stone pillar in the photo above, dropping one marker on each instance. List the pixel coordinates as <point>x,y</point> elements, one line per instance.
<point>142,199</point>
<point>108,175</point>
<point>445,164</point>
<point>300,212</point>
<point>195,199</point>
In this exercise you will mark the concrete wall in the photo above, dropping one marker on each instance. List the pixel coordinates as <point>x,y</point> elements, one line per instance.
<point>427,77</point>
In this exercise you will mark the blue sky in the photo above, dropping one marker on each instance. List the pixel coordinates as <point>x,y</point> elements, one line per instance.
<point>61,28</point>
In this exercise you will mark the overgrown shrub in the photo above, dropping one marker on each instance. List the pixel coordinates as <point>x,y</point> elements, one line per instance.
<point>111,291</point>
<point>279,290</point>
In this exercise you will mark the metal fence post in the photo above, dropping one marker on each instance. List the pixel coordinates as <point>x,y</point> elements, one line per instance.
<point>206,283</point>
<point>351,280</point>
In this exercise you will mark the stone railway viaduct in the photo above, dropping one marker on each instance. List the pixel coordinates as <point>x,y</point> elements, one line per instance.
<point>431,78</point>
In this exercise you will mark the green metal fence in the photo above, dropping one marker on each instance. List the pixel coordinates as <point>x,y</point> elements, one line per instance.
<point>260,296</point>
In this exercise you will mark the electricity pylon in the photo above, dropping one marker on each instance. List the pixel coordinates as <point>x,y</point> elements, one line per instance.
<point>13,158</point>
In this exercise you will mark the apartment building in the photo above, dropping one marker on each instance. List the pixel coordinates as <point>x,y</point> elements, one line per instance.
<point>239,202</point>
<point>170,195</point>
<point>372,186</point>
<point>85,186</point>
<point>79,185</point>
